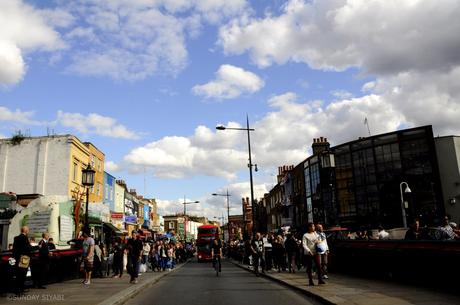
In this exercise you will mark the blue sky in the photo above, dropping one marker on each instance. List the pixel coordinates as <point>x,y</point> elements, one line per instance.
<point>148,80</point>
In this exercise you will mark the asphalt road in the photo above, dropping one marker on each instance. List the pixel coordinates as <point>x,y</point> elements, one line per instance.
<point>197,284</point>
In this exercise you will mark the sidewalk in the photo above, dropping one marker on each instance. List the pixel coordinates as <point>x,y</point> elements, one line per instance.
<point>347,290</point>
<point>102,291</point>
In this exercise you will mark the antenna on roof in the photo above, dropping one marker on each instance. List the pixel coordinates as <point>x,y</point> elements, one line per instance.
<point>366,122</point>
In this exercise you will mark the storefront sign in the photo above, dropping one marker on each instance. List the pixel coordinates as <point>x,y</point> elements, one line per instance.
<point>117,216</point>
<point>131,219</point>
<point>65,228</point>
<point>38,223</point>
<point>146,212</point>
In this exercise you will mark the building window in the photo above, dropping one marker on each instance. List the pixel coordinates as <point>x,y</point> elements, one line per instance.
<point>92,189</point>
<point>111,193</point>
<point>106,191</point>
<point>75,171</point>
<point>98,191</point>
<point>171,225</point>
<point>99,162</point>
<point>92,161</point>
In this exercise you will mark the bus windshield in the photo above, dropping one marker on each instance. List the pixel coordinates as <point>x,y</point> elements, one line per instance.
<point>207,231</point>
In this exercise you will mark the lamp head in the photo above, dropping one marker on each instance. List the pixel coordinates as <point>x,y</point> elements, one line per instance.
<point>87,177</point>
<point>221,127</point>
<point>407,190</point>
<point>214,194</point>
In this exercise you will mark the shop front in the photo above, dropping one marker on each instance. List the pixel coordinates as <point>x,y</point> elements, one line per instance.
<point>117,220</point>
<point>131,223</point>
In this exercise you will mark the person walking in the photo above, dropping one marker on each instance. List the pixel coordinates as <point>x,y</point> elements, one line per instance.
<point>278,253</point>
<point>134,248</point>
<point>162,255</point>
<point>98,257</point>
<point>309,242</point>
<point>21,253</point>
<point>322,249</point>
<point>291,249</point>
<point>268,245</point>
<point>117,265</point>
<point>257,252</point>
<point>88,256</point>
<point>145,253</point>
<point>43,262</point>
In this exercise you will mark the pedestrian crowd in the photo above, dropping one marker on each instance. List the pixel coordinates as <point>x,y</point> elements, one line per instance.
<point>135,255</point>
<point>286,252</point>
<point>281,252</point>
<point>293,251</point>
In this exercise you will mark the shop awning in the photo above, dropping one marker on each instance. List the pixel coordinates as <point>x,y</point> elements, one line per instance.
<point>113,228</point>
<point>146,232</point>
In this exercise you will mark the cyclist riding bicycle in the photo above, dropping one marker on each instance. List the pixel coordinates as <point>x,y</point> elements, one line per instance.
<point>216,252</point>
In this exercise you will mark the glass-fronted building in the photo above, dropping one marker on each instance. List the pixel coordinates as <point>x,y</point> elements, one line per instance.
<point>320,205</point>
<point>369,173</point>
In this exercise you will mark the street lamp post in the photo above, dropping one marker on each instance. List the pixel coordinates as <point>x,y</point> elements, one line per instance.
<point>403,206</point>
<point>185,217</point>
<point>228,212</point>
<point>87,179</point>
<point>250,165</point>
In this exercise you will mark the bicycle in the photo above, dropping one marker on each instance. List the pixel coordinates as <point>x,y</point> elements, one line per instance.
<point>217,264</point>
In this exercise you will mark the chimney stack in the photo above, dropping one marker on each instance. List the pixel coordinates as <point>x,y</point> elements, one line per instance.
<point>282,170</point>
<point>320,145</point>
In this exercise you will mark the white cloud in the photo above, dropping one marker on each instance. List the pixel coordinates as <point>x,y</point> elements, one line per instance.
<point>230,82</point>
<point>124,39</point>
<point>12,66</point>
<point>132,40</point>
<point>18,116</point>
<point>177,157</point>
<point>342,94</point>
<point>367,87</point>
<point>212,206</point>
<point>94,123</point>
<point>111,166</point>
<point>429,98</point>
<point>282,136</point>
<point>23,29</point>
<point>329,35</point>
<point>410,48</point>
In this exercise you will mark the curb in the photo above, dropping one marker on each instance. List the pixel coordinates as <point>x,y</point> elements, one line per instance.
<point>126,294</point>
<point>315,296</point>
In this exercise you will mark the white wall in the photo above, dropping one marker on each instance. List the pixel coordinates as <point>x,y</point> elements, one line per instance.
<point>35,166</point>
<point>49,203</point>
<point>448,153</point>
<point>192,228</point>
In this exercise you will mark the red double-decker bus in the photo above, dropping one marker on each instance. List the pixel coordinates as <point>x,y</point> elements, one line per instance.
<point>206,235</point>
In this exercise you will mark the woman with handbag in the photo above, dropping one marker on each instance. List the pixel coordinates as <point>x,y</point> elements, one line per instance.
<point>21,253</point>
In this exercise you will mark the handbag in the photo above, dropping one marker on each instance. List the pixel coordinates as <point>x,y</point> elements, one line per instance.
<point>24,261</point>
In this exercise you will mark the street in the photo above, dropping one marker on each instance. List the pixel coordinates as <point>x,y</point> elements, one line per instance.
<point>197,284</point>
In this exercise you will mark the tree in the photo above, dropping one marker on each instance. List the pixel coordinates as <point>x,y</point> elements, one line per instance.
<point>77,194</point>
